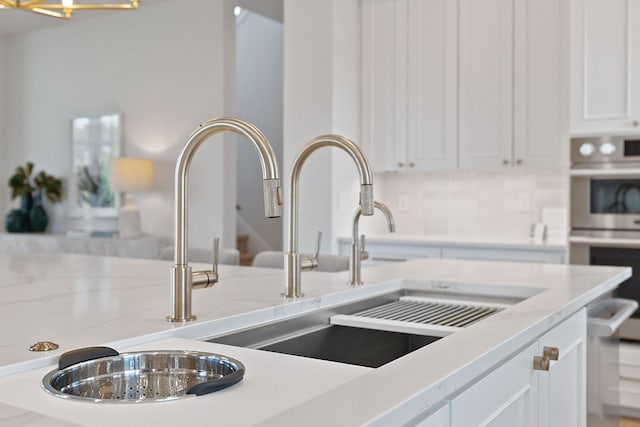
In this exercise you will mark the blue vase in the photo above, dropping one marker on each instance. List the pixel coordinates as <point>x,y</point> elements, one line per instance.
<point>17,221</point>
<point>38,218</point>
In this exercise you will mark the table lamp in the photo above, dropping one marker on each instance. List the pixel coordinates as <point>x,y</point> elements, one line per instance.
<point>130,175</point>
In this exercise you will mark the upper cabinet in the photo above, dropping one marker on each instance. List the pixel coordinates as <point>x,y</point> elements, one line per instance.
<point>605,58</point>
<point>468,84</point>
<point>409,100</point>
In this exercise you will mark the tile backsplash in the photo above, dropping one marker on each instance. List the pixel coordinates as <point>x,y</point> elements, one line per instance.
<point>482,204</point>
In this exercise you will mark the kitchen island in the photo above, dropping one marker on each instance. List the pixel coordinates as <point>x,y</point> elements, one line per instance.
<point>77,301</point>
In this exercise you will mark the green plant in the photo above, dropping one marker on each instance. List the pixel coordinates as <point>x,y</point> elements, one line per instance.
<point>21,183</point>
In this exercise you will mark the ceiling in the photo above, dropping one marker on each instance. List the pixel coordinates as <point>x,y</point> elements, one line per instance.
<point>19,21</point>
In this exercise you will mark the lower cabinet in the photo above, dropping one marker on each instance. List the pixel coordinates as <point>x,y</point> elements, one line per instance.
<point>550,392</point>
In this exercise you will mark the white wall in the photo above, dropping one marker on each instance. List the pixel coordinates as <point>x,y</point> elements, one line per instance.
<point>316,39</point>
<point>259,100</point>
<point>164,68</point>
<point>4,166</point>
<point>473,204</point>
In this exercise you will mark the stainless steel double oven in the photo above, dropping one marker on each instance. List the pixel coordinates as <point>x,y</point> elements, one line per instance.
<point>605,211</point>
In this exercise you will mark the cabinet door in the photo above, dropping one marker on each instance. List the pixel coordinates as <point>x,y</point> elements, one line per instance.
<point>409,71</point>
<point>438,419</point>
<point>506,397</point>
<point>432,89</point>
<point>485,83</point>
<point>384,82</point>
<point>563,387</point>
<point>605,59</point>
<point>541,115</point>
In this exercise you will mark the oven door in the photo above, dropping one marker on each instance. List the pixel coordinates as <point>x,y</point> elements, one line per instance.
<point>605,199</point>
<point>617,248</point>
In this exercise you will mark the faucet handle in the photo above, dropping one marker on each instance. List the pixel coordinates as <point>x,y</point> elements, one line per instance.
<point>307,264</point>
<point>363,252</point>
<point>216,253</point>
<point>205,279</point>
<point>316,253</point>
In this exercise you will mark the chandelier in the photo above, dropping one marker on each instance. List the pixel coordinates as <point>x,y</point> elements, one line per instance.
<point>62,8</point>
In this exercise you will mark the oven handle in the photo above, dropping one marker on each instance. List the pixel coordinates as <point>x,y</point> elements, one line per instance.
<point>606,173</point>
<point>619,242</point>
<point>622,309</point>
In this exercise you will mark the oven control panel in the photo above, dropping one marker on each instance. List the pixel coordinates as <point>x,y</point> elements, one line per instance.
<point>597,151</point>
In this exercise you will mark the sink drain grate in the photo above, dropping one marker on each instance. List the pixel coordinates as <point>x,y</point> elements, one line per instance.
<point>419,315</point>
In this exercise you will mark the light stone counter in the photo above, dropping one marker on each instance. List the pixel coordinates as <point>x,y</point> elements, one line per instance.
<point>489,242</point>
<point>80,301</point>
<point>29,243</point>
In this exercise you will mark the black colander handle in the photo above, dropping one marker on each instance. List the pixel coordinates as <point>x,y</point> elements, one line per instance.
<point>80,355</point>
<point>217,384</point>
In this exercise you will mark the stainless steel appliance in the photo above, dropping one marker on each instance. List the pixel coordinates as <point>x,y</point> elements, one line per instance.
<point>605,211</point>
<point>605,230</point>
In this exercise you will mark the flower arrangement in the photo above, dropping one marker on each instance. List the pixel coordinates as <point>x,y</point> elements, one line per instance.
<point>22,183</point>
<point>31,188</point>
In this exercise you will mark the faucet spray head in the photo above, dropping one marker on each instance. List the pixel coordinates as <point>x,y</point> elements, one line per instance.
<point>366,199</point>
<point>272,198</point>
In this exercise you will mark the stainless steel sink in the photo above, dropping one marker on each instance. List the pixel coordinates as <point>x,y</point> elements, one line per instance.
<point>374,331</point>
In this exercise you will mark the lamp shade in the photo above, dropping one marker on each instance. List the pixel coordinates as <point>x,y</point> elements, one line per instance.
<point>130,174</point>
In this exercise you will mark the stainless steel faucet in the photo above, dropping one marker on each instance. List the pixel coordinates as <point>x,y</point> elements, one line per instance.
<point>293,263</point>
<point>358,252</point>
<point>182,279</point>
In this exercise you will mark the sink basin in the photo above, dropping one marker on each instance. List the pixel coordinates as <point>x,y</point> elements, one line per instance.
<point>356,346</point>
<point>144,376</point>
<point>377,330</point>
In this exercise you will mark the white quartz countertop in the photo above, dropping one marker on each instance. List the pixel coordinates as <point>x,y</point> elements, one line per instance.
<point>462,241</point>
<point>79,301</point>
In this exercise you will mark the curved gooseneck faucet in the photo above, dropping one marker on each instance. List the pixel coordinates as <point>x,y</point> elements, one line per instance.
<point>182,279</point>
<point>358,252</point>
<point>293,263</point>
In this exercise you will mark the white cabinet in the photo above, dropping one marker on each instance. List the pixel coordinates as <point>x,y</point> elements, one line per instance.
<point>563,395</point>
<point>512,83</point>
<point>486,82</point>
<point>440,418</point>
<point>507,397</point>
<point>409,100</point>
<point>605,59</point>
<point>517,394</point>
<point>465,84</point>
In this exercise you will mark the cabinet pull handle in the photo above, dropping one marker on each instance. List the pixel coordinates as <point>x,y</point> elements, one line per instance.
<point>551,353</point>
<point>540,363</point>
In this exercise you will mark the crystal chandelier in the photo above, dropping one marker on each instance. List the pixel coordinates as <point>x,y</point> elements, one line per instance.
<point>63,8</point>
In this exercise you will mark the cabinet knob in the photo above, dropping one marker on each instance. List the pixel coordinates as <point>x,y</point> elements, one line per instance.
<point>400,164</point>
<point>635,123</point>
<point>505,162</point>
<point>411,164</point>
<point>551,353</point>
<point>540,363</point>
<point>519,161</point>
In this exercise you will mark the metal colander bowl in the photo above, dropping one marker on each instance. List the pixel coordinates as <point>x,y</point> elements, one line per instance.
<point>145,376</point>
